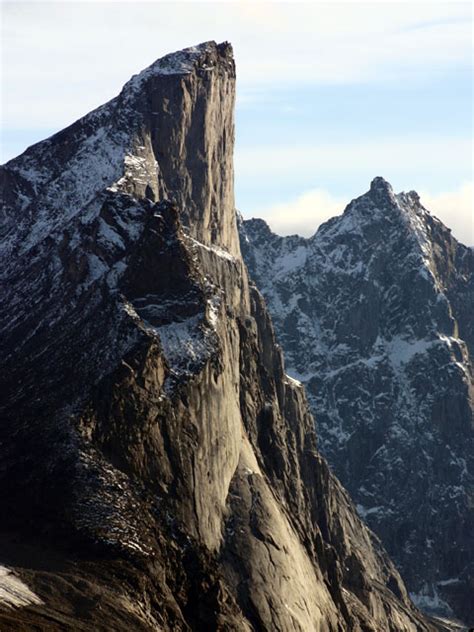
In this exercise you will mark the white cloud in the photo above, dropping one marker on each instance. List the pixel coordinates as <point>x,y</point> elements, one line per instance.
<point>304,214</point>
<point>455,209</point>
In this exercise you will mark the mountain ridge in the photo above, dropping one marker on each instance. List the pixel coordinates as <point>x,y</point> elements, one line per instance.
<point>374,315</point>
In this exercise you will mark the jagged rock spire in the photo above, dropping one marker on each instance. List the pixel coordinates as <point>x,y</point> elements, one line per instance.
<point>381,191</point>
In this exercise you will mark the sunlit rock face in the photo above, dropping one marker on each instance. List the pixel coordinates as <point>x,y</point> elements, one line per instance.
<point>158,469</point>
<point>375,316</point>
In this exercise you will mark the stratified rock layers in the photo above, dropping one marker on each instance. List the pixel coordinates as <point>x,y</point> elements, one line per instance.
<point>158,469</point>
<point>374,313</point>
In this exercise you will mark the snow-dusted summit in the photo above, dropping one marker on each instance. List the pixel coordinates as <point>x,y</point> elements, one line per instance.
<point>375,316</point>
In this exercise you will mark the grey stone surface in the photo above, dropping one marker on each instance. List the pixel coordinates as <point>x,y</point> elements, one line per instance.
<point>375,315</point>
<point>158,469</point>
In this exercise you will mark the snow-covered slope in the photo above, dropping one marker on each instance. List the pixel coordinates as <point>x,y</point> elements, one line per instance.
<point>375,315</point>
<point>158,469</point>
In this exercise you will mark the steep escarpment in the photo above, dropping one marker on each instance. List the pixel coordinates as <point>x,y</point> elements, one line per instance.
<point>158,469</point>
<point>374,313</point>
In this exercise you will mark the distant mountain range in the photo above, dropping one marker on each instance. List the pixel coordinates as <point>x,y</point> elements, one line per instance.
<point>375,314</point>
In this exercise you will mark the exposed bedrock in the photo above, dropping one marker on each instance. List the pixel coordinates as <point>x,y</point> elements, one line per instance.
<point>158,470</point>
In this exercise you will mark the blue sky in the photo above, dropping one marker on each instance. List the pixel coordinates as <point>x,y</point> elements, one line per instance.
<point>329,94</point>
<point>434,110</point>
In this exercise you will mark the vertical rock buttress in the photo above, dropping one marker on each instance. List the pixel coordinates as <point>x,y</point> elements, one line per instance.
<point>176,445</point>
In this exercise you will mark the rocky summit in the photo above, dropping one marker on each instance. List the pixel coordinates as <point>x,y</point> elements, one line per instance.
<point>375,316</point>
<point>158,468</point>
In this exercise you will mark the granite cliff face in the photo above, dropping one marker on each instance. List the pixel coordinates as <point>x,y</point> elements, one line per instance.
<point>375,315</point>
<point>158,469</point>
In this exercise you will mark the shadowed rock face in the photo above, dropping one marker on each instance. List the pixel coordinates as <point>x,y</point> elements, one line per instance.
<point>374,313</point>
<point>158,469</point>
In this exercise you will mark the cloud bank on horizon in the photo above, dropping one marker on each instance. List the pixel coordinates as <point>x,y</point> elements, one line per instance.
<point>329,95</point>
<point>304,214</point>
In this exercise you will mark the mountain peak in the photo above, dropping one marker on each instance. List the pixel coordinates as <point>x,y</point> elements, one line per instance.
<point>136,354</point>
<point>185,61</point>
<point>380,184</point>
<point>381,191</point>
<point>374,314</point>
<point>128,145</point>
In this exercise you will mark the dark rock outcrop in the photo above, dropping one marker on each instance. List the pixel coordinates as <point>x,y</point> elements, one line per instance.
<point>158,469</point>
<point>375,315</point>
